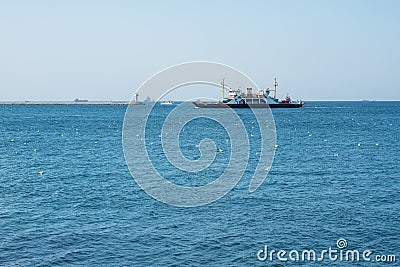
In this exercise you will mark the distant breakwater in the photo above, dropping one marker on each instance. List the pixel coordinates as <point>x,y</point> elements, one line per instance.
<point>69,103</point>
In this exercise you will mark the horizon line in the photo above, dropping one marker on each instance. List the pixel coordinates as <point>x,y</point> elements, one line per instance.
<point>83,101</point>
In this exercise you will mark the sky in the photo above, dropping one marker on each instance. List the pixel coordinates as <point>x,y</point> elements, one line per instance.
<point>104,50</point>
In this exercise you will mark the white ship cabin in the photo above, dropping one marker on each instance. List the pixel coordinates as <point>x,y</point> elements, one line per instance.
<point>257,97</point>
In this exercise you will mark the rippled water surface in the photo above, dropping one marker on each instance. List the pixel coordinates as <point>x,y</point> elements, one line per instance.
<point>335,175</point>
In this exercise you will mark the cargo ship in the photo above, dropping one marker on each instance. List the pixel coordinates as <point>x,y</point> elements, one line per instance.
<point>248,99</point>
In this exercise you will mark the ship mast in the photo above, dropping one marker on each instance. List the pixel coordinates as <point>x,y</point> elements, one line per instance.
<point>223,88</point>
<point>275,85</point>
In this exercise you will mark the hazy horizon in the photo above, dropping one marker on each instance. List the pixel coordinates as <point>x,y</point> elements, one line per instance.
<point>102,51</point>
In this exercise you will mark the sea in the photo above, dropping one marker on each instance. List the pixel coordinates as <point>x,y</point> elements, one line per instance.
<point>67,197</point>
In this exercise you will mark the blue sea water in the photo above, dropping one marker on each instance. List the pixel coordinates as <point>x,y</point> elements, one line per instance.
<point>335,175</point>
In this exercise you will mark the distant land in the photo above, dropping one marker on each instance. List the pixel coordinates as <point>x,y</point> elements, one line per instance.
<point>67,103</point>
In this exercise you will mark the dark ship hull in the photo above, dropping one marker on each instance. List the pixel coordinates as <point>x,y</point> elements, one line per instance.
<point>224,105</point>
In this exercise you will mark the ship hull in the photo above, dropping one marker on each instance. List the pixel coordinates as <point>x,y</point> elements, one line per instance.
<point>223,105</point>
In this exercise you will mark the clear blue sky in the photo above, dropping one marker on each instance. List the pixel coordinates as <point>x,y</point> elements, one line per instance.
<point>103,50</point>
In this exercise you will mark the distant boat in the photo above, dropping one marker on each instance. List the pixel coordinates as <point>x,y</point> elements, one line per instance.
<point>169,102</point>
<point>260,99</point>
<point>80,100</point>
<point>148,99</point>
